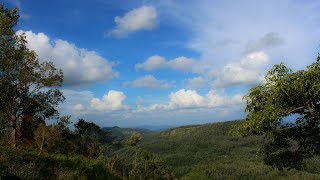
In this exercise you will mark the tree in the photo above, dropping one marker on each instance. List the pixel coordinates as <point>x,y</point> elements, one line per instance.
<point>148,166</point>
<point>91,138</point>
<point>134,139</point>
<point>291,95</point>
<point>47,137</point>
<point>27,87</point>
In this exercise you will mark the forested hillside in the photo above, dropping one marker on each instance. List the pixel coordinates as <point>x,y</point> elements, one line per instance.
<point>209,151</point>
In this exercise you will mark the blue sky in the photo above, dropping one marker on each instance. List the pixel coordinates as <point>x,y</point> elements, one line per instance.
<point>166,62</point>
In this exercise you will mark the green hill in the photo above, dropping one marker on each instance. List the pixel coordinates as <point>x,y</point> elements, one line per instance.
<point>208,151</point>
<point>122,133</point>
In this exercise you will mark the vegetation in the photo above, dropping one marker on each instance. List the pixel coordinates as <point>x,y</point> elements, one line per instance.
<point>209,152</point>
<point>286,94</point>
<point>27,164</point>
<point>123,133</point>
<point>27,87</point>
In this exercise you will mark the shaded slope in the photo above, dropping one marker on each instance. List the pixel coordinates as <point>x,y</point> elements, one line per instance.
<point>122,133</point>
<point>209,151</point>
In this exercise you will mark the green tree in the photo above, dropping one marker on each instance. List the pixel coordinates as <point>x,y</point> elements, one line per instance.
<point>134,139</point>
<point>27,87</point>
<point>47,137</point>
<point>148,166</point>
<point>291,95</point>
<point>91,138</point>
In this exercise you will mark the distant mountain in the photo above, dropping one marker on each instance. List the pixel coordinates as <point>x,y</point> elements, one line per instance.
<point>122,133</point>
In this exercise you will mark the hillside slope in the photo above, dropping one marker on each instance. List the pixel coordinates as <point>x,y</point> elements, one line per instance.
<point>208,151</point>
<point>122,133</point>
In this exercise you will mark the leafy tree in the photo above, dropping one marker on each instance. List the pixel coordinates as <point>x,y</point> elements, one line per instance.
<point>148,166</point>
<point>27,87</point>
<point>134,139</point>
<point>47,137</point>
<point>292,95</point>
<point>90,138</point>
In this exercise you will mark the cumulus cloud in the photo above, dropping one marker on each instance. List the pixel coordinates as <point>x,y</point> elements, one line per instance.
<point>269,40</point>
<point>78,107</point>
<point>142,18</point>
<point>157,62</point>
<point>248,71</point>
<point>149,81</point>
<point>181,63</point>
<point>80,66</point>
<point>153,62</point>
<point>109,102</point>
<point>186,98</point>
<point>183,99</point>
<point>196,82</point>
<point>255,59</point>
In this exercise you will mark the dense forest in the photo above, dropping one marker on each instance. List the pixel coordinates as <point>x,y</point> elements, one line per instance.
<point>261,146</point>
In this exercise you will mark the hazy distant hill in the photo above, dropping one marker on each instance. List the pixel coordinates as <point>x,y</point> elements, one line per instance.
<point>208,151</point>
<point>122,133</point>
<point>155,127</point>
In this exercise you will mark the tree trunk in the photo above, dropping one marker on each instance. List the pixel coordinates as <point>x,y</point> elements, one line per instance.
<point>41,146</point>
<point>13,132</point>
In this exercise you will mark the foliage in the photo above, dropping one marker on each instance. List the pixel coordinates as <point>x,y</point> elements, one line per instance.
<point>286,94</point>
<point>148,166</point>
<point>136,163</point>
<point>47,137</point>
<point>209,152</point>
<point>26,164</point>
<point>90,138</point>
<point>133,140</point>
<point>119,134</point>
<point>27,87</point>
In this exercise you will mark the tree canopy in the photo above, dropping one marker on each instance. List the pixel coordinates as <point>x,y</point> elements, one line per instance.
<point>28,89</point>
<point>287,110</point>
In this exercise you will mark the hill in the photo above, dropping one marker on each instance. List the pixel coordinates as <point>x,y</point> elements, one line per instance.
<point>156,128</point>
<point>208,151</point>
<point>122,133</point>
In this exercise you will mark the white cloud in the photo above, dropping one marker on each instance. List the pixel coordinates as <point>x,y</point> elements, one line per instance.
<point>190,99</point>
<point>249,71</point>
<point>137,19</point>
<point>149,81</point>
<point>153,62</point>
<point>196,82</point>
<point>157,62</point>
<point>215,99</point>
<point>186,98</point>
<point>110,102</point>
<point>79,66</point>
<point>78,107</point>
<point>255,59</point>
<point>181,63</point>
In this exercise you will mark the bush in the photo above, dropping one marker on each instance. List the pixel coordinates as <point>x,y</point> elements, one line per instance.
<point>23,164</point>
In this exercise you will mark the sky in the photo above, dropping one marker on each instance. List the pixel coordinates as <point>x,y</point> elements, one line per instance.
<point>131,63</point>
